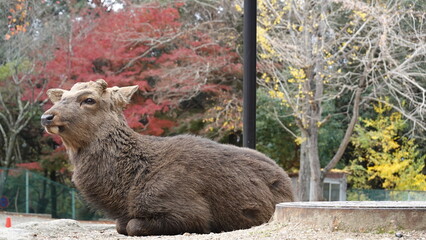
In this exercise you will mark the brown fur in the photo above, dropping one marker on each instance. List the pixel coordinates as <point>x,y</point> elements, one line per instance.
<point>160,185</point>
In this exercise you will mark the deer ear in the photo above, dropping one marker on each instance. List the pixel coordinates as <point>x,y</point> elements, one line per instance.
<point>103,84</point>
<point>121,96</point>
<point>127,93</point>
<point>55,94</point>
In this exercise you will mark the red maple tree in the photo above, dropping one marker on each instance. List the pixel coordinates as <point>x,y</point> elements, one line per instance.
<point>148,46</point>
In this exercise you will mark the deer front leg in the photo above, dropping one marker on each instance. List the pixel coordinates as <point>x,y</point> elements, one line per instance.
<point>120,225</point>
<point>136,227</point>
<point>166,225</point>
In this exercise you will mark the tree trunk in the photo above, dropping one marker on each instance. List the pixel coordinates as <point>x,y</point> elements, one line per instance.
<point>9,149</point>
<point>310,123</point>
<point>315,186</point>
<point>310,182</point>
<point>304,174</point>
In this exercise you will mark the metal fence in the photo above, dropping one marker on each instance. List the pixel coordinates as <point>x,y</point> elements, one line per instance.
<point>28,192</point>
<point>384,195</point>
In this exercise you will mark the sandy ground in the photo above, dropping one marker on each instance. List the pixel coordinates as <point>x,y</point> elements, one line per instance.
<point>39,227</point>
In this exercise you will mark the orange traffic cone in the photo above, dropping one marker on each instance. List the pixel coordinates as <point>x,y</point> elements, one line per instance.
<point>8,222</point>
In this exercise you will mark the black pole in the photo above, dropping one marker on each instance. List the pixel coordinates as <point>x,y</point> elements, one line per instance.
<point>249,78</point>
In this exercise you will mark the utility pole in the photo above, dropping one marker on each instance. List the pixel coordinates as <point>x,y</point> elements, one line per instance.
<point>249,78</point>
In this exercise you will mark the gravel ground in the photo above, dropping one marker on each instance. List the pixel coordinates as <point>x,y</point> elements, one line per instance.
<point>38,227</point>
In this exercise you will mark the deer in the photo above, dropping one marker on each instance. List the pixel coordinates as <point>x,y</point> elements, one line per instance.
<point>153,185</point>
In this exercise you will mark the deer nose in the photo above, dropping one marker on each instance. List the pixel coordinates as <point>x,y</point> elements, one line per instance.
<point>46,119</point>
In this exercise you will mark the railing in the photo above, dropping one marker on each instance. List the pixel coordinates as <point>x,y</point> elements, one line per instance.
<point>29,192</point>
<point>384,195</point>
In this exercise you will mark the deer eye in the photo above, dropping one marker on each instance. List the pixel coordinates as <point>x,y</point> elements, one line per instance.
<point>89,101</point>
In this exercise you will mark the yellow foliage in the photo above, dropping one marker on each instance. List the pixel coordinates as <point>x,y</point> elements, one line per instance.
<point>361,15</point>
<point>383,154</point>
<point>238,8</point>
<point>297,73</point>
<point>276,94</point>
<point>270,14</point>
<point>299,140</point>
<point>264,43</point>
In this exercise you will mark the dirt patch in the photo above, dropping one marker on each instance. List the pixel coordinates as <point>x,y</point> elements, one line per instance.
<point>31,227</point>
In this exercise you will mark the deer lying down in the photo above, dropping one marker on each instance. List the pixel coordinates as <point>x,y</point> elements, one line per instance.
<point>159,185</point>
